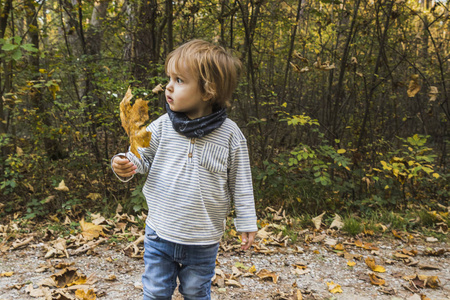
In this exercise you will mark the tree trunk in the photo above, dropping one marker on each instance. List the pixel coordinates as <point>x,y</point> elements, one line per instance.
<point>145,52</point>
<point>95,31</point>
<point>4,14</point>
<point>340,86</point>
<point>51,145</point>
<point>375,75</point>
<point>291,49</point>
<point>169,14</point>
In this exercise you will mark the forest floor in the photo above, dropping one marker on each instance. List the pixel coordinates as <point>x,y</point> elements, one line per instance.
<point>321,264</point>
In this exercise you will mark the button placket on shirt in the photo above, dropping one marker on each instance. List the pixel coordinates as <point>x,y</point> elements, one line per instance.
<point>191,150</point>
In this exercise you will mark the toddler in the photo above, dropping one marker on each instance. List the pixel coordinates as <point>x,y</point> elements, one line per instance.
<point>197,162</point>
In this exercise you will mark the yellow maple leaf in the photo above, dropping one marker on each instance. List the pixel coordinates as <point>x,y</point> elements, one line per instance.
<point>334,287</point>
<point>133,121</point>
<point>6,274</point>
<point>351,263</point>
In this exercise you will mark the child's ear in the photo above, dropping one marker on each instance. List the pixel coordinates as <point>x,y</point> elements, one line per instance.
<point>206,97</point>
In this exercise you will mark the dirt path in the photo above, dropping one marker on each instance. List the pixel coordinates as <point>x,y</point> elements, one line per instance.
<point>118,276</point>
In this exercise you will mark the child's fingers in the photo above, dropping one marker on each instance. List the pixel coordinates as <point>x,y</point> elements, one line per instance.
<point>247,240</point>
<point>123,167</point>
<point>121,160</point>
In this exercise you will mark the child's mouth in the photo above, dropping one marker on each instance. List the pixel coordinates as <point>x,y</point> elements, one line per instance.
<point>169,99</point>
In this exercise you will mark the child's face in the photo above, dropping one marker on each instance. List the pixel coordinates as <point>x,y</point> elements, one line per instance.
<point>183,94</point>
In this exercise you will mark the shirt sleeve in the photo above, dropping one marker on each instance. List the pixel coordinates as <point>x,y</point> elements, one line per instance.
<point>147,154</point>
<point>241,188</point>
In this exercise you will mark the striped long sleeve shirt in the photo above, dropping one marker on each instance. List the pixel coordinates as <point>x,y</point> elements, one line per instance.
<point>191,182</point>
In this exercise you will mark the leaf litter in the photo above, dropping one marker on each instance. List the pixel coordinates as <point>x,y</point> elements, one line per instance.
<point>103,260</point>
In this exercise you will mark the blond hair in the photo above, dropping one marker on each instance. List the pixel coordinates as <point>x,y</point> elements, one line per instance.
<point>216,69</point>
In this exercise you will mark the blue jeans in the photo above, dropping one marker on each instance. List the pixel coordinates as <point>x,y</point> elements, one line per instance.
<point>194,266</point>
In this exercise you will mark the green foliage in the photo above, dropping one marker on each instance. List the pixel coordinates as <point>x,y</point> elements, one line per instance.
<point>313,176</point>
<point>35,209</point>
<point>11,166</point>
<point>426,219</point>
<point>137,200</point>
<point>352,226</point>
<point>393,220</point>
<point>13,49</point>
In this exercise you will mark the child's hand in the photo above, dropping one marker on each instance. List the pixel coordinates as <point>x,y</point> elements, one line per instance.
<point>247,239</point>
<point>123,166</point>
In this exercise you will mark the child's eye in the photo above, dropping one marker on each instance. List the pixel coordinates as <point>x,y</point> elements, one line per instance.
<point>179,80</point>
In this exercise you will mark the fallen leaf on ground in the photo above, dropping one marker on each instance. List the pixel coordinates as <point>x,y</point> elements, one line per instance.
<point>432,252</point>
<point>20,243</point>
<point>58,249</point>
<point>368,232</point>
<point>334,287</point>
<point>351,263</point>
<point>297,271</point>
<point>376,280</point>
<point>133,121</point>
<point>397,235</point>
<point>423,281</point>
<point>263,233</point>
<point>359,243</point>
<point>367,246</point>
<point>318,238</point>
<point>39,292</point>
<point>318,220</point>
<point>111,278</point>
<point>240,266</point>
<point>263,274</point>
<point>429,267</point>
<point>68,277</point>
<point>236,272</point>
<point>64,265</point>
<point>337,222</point>
<point>252,269</point>
<point>351,256</point>
<point>412,252</point>
<point>423,297</point>
<point>401,255</point>
<point>231,282</point>
<point>339,247</point>
<point>330,242</point>
<point>82,295</point>
<point>6,274</point>
<point>376,268</point>
<point>90,231</point>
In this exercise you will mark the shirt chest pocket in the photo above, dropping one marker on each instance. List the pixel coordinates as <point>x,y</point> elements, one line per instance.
<point>214,158</point>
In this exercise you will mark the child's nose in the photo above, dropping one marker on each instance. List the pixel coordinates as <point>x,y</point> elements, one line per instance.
<point>169,86</point>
